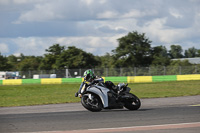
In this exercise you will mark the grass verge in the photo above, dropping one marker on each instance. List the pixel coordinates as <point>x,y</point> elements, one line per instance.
<point>64,93</point>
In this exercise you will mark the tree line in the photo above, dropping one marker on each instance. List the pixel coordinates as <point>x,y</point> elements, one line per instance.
<point>134,50</point>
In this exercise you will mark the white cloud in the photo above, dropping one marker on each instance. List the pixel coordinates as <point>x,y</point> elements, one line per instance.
<point>4,48</point>
<point>102,1</point>
<point>88,2</point>
<point>107,15</point>
<point>31,45</point>
<point>40,13</point>
<point>4,2</point>
<point>175,13</point>
<point>95,25</point>
<point>20,1</point>
<point>37,45</point>
<point>61,10</point>
<point>134,13</point>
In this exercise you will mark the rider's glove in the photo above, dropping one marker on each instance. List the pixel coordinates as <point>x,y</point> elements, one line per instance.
<point>76,94</point>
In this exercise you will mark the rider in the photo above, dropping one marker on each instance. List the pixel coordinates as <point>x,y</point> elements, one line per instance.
<point>91,78</point>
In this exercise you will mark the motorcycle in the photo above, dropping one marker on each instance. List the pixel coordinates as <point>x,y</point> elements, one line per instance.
<point>95,97</point>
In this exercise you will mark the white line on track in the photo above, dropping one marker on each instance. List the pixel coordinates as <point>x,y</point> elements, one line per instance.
<point>133,128</point>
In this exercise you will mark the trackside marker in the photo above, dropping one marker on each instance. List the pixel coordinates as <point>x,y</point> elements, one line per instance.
<point>150,127</point>
<point>195,105</point>
<point>134,128</point>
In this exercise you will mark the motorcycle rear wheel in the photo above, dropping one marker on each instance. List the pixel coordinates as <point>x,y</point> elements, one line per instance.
<point>133,104</point>
<point>94,105</point>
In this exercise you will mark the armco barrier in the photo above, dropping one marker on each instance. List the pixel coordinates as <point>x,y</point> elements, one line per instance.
<point>12,82</point>
<point>71,80</point>
<point>164,78</point>
<point>116,79</point>
<point>139,79</point>
<point>31,81</point>
<point>51,81</point>
<point>128,79</point>
<point>188,77</point>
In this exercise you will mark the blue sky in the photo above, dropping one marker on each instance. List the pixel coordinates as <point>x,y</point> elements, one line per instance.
<point>31,26</point>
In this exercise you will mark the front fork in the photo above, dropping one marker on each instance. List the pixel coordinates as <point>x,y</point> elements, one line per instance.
<point>90,97</point>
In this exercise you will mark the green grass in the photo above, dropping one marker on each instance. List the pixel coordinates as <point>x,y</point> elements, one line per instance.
<point>64,93</point>
<point>166,89</point>
<point>37,94</point>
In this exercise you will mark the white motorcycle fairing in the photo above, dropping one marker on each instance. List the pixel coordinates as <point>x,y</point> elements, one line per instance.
<point>102,92</point>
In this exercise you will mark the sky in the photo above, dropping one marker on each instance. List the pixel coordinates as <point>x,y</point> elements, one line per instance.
<point>31,26</point>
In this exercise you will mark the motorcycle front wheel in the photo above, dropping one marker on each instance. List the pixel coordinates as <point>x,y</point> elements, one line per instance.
<point>92,103</point>
<point>133,104</point>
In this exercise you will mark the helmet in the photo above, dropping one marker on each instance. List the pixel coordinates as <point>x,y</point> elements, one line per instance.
<point>88,75</point>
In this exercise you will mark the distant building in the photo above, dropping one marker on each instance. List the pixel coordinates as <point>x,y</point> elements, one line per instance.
<point>9,75</point>
<point>191,60</point>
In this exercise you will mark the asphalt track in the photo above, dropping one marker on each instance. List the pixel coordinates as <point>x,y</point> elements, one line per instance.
<point>160,115</point>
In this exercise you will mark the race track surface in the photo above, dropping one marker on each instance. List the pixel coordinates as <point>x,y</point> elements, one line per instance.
<point>159,115</point>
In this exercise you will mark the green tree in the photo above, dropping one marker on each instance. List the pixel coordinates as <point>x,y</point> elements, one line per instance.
<point>14,61</point>
<point>49,61</point>
<point>160,56</point>
<point>176,51</point>
<point>134,49</point>
<point>55,49</point>
<point>29,63</point>
<point>4,66</point>
<point>177,67</point>
<point>191,52</point>
<point>106,61</point>
<point>198,53</point>
<point>180,63</point>
<point>76,58</point>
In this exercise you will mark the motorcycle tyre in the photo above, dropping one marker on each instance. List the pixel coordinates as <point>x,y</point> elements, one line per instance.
<point>129,104</point>
<point>88,107</point>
